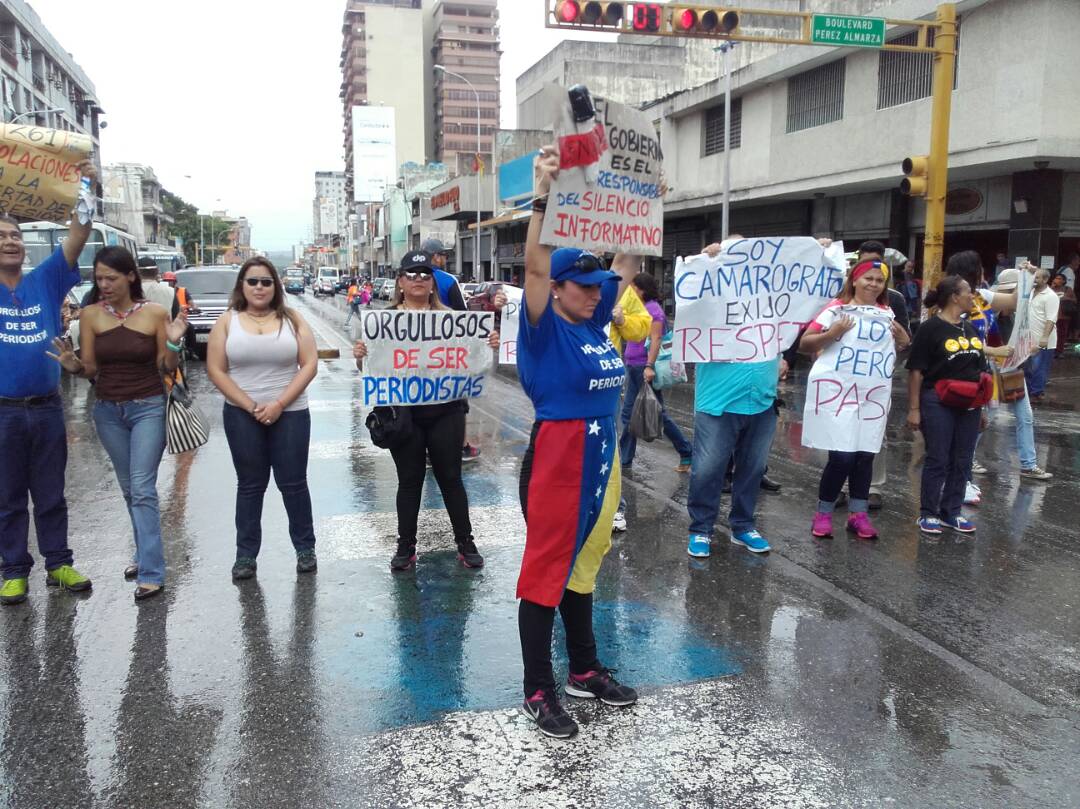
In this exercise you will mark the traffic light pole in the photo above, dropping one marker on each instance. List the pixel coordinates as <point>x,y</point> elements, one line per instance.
<point>937,185</point>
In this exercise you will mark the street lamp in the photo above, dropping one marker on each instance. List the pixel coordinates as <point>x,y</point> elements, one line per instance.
<point>476,244</point>
<point>35,112</point>
<point>725,215</point>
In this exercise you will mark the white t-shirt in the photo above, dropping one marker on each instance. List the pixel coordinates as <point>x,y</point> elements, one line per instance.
<point>159,293</point>
<point>1044,309</point>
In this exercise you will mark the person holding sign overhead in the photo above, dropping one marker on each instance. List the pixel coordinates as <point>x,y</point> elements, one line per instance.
<point>855,338</point>
<point>570,482</point>
<point>435,431</point>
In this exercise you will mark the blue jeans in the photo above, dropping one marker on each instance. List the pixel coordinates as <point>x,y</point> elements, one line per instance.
<point>950,434</point>
<point>1037,371</point>
<point>33,449</point>
<point>635,378</point>
<point>1025,432</point>
<point>718,439</point>
<point>133,433</point>
<point>256,450</point>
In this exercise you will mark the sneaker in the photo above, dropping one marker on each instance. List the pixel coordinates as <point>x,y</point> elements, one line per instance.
<point>978,469</point>
<point>972,495</point>
<point>684,465</point>
<point>468,555</point>
<point>14,591</point>
<point>822,525</point>
<point>961,525</point>
<point>874,501</point>
<point>244,568</point>
<point>860,525</point>
<point>470,453</point>
<point>929,525</point>
<point>751,540</point>
<point>306,561</point>
<point>699,545</point>
<point>405,556</point>
<point>601,685</point>
<point>618,522</point>
<point>67,578</point>
<point>544,709</point>
<point>1035,473</point>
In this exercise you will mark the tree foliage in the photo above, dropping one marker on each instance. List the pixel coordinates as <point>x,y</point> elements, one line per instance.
<point>213,234</point>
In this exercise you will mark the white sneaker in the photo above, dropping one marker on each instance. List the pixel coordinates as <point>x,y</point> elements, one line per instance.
<point>972,495</point>
<point>978,469</point>
<point>618,524</point>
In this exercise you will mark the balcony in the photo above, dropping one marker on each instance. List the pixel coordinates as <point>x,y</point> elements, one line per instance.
<point>8,55</point>
<point>39,82</point>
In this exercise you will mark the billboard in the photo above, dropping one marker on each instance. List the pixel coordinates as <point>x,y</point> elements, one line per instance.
<point>374,152</point>
<point>328,216</point>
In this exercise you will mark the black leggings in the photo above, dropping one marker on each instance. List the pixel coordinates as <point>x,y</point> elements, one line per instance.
<point>856,467</point>
<point>535,625</point>
<point>437,436</point>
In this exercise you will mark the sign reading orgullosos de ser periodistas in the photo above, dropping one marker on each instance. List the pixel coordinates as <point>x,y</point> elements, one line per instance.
<point>607,196</point>
<point>39,171</point>
<point>425,357</point>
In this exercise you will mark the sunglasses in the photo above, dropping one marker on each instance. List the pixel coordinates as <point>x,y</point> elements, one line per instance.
<point>416,276</point>
<point>587,262</point>
<point>254,282</point>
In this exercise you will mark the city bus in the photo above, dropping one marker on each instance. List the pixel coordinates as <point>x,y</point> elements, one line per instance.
<point>42,238</point>
<point>168,259</point>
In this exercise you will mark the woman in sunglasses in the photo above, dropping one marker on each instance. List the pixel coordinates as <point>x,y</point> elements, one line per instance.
<point>436,434</point>
<point>570,482</point>
<point>262,357</point>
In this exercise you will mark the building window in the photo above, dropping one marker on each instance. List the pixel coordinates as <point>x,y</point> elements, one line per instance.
<point>904,77</point>
<point>713,128</point>
<point>816,97</point>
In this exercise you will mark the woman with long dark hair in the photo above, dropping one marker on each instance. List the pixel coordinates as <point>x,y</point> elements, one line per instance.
<point>127,346</point>
<point>262,357</point>
<point>866,285</point>
<point>640,363</point>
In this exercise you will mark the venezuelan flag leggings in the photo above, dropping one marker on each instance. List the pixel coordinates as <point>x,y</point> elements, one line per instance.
<point>569,488</point>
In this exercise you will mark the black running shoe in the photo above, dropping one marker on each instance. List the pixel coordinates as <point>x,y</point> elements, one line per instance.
<point>544,709</point>
<point>600,684</point>
<point>468,555</point>
<point>405,556</point>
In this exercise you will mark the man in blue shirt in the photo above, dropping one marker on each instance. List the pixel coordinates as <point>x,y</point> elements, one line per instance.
<point>33,441</point>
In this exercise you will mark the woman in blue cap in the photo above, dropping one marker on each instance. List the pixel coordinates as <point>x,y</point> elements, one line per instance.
<point>570,481</point>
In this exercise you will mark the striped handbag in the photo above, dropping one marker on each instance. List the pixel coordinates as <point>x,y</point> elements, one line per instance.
<point>184,426</point>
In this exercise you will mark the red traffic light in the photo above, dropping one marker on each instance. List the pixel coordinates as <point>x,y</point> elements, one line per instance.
<point>705,20</point>
<point>687,19</point>
<point>567,11</point>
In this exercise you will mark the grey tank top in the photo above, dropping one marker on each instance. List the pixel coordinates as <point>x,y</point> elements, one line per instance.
<point>263,365</point>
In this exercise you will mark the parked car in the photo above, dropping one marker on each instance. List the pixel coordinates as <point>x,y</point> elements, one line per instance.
<point>294,282</point>
<point>325,281</point>
<point>468,290</point>
<point>382,289</point>
<point>209,289</point>
<point>483,300</point>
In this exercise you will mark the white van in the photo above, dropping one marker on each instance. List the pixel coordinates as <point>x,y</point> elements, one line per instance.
<point>325,279</point>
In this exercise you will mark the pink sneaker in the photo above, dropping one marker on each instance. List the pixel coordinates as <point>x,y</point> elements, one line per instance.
<point>822,526</point>
<point>860,524</point>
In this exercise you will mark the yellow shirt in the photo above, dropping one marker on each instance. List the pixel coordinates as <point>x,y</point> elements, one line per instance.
<point>637,322</point>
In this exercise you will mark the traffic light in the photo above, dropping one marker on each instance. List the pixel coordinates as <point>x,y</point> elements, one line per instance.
<point>588,14</point>
<point>917,170</point>
<point>703,20</point>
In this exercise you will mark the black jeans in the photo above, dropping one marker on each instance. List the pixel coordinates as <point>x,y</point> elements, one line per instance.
<point>858,467</point>
<point>950,434</point>
<point>256,450</point>
<point>535,625</point>
<point>437,434</point>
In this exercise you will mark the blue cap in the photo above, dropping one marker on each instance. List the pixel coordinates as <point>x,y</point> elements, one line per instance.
<point>579,266</point>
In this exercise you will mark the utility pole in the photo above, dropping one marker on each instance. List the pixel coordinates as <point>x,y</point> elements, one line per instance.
<point>725,212</point>
<point>476,241</point>
<point>937,185</point>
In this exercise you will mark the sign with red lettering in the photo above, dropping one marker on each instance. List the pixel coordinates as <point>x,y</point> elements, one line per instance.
<point>750,302</point>
<point>425,357</point>
<point>39,174</point>
<point>607,196</point>
<point>849,389</point>
<point>509,325</point>
<point>451,196</point>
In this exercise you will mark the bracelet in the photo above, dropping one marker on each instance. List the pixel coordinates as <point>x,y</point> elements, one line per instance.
<point>539,204</point>
<point>169,344</point>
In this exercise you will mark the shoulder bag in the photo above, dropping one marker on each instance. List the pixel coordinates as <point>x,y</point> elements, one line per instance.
<point>389,426</point>
<point>185,427</point>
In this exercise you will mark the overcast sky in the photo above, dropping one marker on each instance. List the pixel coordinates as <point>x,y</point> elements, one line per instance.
<point>242,95</point>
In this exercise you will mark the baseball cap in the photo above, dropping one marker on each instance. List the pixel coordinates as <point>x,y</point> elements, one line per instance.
<point>1007,280</point>
<point>434,246</point>
<point>579,266</point>
<point>147,262</point>
<point>415,260</point>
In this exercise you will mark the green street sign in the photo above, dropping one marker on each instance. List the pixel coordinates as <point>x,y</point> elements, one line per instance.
<point>857,32</point>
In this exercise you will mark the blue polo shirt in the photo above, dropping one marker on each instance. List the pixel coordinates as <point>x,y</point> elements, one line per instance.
<point>29,321</point>
<point>745,388</point>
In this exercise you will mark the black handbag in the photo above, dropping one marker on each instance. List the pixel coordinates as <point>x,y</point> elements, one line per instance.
<point>389,426</point>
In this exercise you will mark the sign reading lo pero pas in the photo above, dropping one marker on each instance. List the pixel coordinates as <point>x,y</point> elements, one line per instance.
<point>425,357</point>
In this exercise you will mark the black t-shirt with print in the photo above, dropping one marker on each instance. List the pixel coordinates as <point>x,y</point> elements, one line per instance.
<point>942,350</point>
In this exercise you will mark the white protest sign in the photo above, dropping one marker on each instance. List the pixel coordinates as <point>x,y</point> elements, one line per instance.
<point>509,325</point>
<point>607,195</point>
<point>849,389</point>
<point>1021,341</point>
<point>749,303</point>
<point>425,357</point>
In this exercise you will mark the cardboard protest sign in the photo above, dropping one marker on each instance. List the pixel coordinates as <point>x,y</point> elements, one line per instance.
<point>425,357</point>
<point>750,302</point>
<point>508,328</point>
<point>1021,341</point>
<point>849,389</point>
<point>39,174</point>
<point>607,196</point>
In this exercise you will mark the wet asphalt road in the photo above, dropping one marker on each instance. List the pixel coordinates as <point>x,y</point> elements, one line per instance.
<point>907,672</point>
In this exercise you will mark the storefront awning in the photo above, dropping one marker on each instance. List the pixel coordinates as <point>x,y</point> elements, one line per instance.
<point>503,219</point>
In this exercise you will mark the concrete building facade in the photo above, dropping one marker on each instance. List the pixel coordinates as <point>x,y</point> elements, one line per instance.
<point>329,207</point>
<point>132,201</point>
